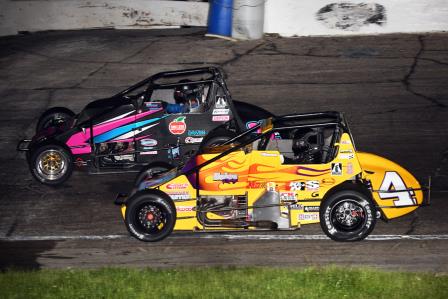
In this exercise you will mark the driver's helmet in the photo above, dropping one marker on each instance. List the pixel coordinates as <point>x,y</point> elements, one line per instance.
<point>182,92</point>
<point>190,95</point>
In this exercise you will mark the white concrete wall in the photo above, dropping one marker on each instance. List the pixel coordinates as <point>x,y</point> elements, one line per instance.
<point>37,15</point>
<point>302,17</point>
<point>286,17</point>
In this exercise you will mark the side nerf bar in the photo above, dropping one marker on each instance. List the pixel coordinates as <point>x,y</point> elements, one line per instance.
<point>23,144</point>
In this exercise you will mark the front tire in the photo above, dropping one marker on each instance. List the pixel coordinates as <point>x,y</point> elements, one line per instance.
<point>150,216</point>
<point>347,216</point>
<point>51,165</point>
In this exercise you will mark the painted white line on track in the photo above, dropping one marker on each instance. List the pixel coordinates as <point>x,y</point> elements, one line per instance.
<point>225,236</point>
<point>323,237</point>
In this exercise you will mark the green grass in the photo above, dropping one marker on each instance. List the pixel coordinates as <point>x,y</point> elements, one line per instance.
<point>330,282</point>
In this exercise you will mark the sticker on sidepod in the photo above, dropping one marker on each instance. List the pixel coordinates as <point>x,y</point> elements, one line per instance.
<point>178,126</point>
<point>193,139</point>
<point>312,185</point>
<point>221,118</point>
<point>226,178</point>
<point>221,103</point>
<point>221,111</point>
<point>328,182</point>
<point>177,186</point>
<point>197,132</point>
<point>148,142</point>
<point>311,209</point>
<point>336,169</point>
<point>179,195</point>
<point>153,105</point>
<point>296,186</point>
<point>307,217</point>
<point>288,196</point>
<point>346,156</point>
<point>184,209</point>
<point>149,153</point>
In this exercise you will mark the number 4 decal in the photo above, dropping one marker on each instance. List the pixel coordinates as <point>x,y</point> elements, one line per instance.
<point>394,187</point>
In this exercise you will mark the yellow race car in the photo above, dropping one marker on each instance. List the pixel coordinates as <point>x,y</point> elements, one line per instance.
<point>284,172</point>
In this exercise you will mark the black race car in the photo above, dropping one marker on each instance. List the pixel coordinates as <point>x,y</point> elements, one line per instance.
<point>161,120</point>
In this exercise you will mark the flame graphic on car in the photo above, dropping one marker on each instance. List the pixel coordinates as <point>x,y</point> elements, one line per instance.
<point>246,176</point>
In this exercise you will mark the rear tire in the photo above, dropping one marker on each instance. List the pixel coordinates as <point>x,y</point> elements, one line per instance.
<point>54,116</point>
<point>150,216</point>
<point>216,138</point>
<point>51,165</point>
<point>347,216</point>
<point>150,170</point>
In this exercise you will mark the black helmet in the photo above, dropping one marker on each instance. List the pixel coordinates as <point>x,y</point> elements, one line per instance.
<point>183,92</point>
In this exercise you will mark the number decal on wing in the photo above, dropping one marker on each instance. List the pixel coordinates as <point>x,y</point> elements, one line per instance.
<point>394,187</point>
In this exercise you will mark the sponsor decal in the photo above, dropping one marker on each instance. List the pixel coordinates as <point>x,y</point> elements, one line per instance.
<point>271,187</point>
<point>149,153</point>
<point>308,217</point>
<point>336,168</point>
<point>153,105</point>
<point>173,153</point>
<point>193,139</point>
<point>312,185</point>
<point>296,207</point>
<point>269,155</point>
<point>178,126</point>
<point>297,186</point>
<point>184,209</point>
<point>177,186</point>
<point>346,151</point>
<point>221,102</point>
<point>220,111</point>
<point>346,142</point>
<point>148,142</point>
<point>256,185</point>
<point>226,178</point>
<point>328,182</point>
<point>349,168</point>
<point>221,118</point>
<point>311,209</point>
<point>197,132</point>
<point>315,194</point>
<point>179,195</point>
<point>288,196</point>
<point>346,156</point>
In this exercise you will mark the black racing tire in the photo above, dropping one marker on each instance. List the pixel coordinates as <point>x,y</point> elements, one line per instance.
<point>215,138</point>
<point>150,170</point>
<point>150,215</point>
<point>347,216</point>
<point>51,164</point>
<point>56,115</point>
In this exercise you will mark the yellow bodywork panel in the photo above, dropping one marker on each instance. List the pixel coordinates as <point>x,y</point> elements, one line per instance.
<point>250,174</point>
<point>395,190</point>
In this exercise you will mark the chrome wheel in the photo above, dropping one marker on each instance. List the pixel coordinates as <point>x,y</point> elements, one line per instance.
<point>348,215</point>
<point>51,164</point>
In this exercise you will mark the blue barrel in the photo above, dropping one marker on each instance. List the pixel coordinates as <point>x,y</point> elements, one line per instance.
<point>220,17</point>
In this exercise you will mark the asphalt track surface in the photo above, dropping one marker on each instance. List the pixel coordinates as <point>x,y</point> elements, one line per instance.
<point>392,88</point>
